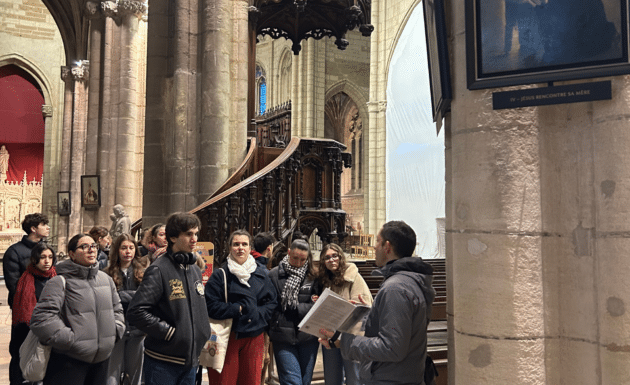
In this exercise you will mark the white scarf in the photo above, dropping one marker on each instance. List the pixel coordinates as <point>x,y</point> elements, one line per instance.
<point>244,271</point>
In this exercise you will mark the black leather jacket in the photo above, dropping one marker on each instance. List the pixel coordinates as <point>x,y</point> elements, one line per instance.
<point>170,307</point>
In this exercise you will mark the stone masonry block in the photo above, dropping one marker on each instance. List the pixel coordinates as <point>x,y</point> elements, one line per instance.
<point>507,162</point>
<point>499,361</point>
<point>498,285</point>
<point>613,291</point>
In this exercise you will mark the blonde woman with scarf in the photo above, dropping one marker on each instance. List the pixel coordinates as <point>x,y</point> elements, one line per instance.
<point>250,303</point>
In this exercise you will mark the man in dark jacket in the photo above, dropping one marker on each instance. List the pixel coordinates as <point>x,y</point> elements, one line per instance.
<point>263,248</point>
<point>18,255</point>
<point>394,347</point>
<point>170,307</point>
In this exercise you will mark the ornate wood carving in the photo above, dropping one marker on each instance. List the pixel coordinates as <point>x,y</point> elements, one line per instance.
<point>271,199</point>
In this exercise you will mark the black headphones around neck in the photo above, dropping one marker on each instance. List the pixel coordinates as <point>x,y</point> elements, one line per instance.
<point>184,258</point>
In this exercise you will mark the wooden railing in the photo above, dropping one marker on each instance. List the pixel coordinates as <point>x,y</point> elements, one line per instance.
<point>298,187</point>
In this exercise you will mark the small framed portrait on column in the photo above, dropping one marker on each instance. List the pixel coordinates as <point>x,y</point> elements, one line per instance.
<point>90,192</point>
<point>63,203</point>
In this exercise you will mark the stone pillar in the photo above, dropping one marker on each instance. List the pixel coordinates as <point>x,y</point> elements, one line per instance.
<point>64,177</point>
<point>239,79</point>
<point>128,190</point>
<point>538,220</point>
<point>80,73</point>
<point>309,100</point>
<point>215,97</point>
<point>374,208</point>
<point>193,101</point>
<point>49,192</point>
<point>295,89</point>
<point>93,115</point>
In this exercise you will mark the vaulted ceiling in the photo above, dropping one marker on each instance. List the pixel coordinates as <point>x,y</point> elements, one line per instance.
<point>73,26</point>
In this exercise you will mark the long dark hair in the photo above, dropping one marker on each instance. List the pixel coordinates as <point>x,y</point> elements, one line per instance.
<point>302,244</point>
<point>332,278</point>
<point>38,249</point>
<point>139,262</point>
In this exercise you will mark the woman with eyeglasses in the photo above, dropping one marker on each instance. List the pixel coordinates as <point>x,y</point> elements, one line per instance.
<point>80,316</point>
<point>126,267</point>
<point>343,278</point>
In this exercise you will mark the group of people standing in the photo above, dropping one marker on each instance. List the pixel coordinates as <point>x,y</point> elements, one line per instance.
<point>145,318</point>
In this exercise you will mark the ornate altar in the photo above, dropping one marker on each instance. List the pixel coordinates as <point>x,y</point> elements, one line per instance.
<point>16,200</point>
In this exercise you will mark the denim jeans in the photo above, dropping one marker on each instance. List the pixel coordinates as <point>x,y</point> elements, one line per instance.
<point>335,367</point>
<point>295,363</point>
<point>158,372</point>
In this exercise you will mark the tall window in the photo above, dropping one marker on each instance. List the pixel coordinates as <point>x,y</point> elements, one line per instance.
<point>261,89</point>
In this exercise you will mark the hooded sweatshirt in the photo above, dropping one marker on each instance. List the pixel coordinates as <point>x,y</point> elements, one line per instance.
<point>395,339</point>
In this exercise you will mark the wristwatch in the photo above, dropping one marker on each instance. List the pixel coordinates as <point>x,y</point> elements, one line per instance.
<point>333,339</point>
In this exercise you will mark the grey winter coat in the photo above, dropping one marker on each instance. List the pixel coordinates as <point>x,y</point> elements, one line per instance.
<point>394,347</point>
<point>82,321</point>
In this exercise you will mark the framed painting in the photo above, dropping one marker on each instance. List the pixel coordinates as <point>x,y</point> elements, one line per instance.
<point>513,42</point>
<point>90,192</point>
<point>437,56</point>
<point>63,203</point>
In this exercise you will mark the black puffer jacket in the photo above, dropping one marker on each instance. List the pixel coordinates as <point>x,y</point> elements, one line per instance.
<point>170,307</point>
<point>14,263</point>
<point>284,324</point>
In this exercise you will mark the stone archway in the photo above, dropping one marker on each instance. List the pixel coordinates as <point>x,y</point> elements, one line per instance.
<point>343,122</point>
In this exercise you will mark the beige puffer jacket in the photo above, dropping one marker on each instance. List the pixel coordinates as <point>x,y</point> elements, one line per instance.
<point>353,286</point>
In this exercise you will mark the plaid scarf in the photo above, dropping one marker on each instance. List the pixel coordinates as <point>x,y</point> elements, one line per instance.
<point>25,301</point>
<point>292,286</point>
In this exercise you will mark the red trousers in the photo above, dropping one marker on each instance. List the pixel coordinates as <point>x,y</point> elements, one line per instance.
<point>243,362</point>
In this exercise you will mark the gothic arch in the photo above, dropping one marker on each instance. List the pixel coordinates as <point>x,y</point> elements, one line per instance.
<point>354,93</point>
<point>285,69</point>
<point>33,70</point>
<point>399,32</point>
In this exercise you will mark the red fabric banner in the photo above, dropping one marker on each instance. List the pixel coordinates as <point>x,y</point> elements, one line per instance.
<point>21,123</point>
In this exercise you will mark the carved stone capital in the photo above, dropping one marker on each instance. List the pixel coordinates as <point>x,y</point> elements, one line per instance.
<point>109,8</point>
<point>81,71</point>
<point>66,73</point>
<point>47,111</point>
<point>92,9</point>
<point>132,7</point>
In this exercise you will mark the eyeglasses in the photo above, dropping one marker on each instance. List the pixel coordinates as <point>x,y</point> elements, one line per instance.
<point>331,257</point>
<point>85,247</point>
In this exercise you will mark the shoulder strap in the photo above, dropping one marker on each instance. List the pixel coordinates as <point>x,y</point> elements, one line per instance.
<point>225,284</point>
<point>63,279</point>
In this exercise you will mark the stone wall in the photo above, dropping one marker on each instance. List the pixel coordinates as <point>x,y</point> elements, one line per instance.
<point>537,236</point>
<point>30,39</point>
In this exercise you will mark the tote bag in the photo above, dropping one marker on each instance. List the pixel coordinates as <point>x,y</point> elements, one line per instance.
<point>34,356</point>
<point>213,352</point>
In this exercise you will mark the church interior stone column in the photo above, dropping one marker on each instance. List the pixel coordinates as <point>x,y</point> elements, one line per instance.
<point>376,171</point>
<point>215,95</point>
<point>190,102</point>
<point>64,172</point>
<point>538,228</point>
<point>80,74</point>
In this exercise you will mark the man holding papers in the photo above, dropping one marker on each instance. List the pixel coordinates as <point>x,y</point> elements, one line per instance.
<point>394,347</point>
